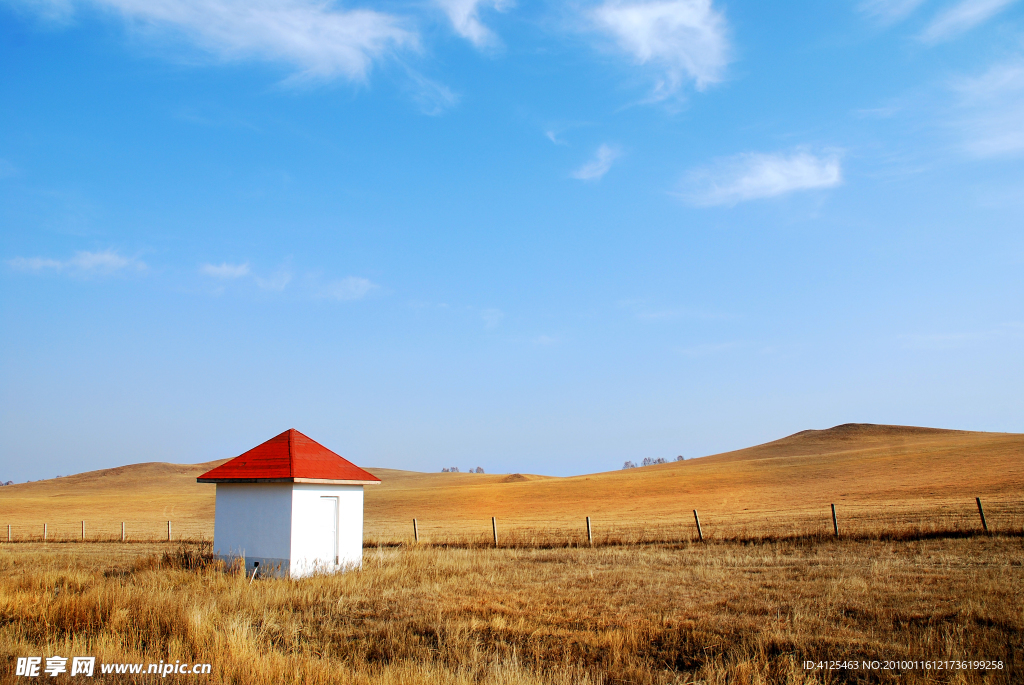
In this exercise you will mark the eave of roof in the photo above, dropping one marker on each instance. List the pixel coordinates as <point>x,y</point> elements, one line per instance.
<point>290,457</point>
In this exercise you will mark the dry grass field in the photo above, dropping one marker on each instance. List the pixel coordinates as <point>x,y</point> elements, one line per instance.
<point>880,478</point>
<point>713,613</point>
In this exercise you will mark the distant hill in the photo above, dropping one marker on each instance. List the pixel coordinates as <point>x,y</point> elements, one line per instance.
<point>851,463</point>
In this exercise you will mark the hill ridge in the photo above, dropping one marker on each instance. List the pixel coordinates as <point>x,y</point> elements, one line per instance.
<point>869,464</point>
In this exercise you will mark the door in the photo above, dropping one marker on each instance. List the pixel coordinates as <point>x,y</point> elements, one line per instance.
<point>328,524</point>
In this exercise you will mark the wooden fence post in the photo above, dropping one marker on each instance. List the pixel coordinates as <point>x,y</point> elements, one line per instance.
<point>494,529</point>
<point>700,533</point>
<point>8,532</point>
<point>44,532</point>
<point>982,512</point>
<point>83,531</point>
<point>590,534</point>
<point>168,531</point>
<point>835,522</point>
<point>415,531</point>
<point>122,531</point>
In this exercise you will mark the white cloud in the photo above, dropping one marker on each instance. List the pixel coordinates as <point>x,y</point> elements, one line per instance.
<point>599,165</point>
<point>890,11</point>
<point>465,18</point>
<point>225,270</point>
<point>84,262</point>
<point>349,288</point>
<point>753,175</point>
<point>992,111</point>
<point>492,318</point>
<point>311,36</point>
<point>962,17</point>
<point>683,39</point>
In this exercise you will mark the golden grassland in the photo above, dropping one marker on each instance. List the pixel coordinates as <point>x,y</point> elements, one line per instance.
<point>912,578</point>
<point>715,613</point>
<point>879,477</point>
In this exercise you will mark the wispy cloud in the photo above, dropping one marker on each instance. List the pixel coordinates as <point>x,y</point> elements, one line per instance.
<point>962,17</point>
<point>225,270</point>
<point>316,39</point>
<point>991,109</point>
<point>553,137</point>
<point>596,168</point>
<point>492,318</point>
<point>347,289</point>
<point>276,282</point>
<point>465,18</point>
<point>433,98</point>
<point>889,11</point>
<point>84,262</point>
<point>683,39</point>
<point>753,176</point>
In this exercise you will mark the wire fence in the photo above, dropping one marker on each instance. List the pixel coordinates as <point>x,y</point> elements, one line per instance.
<point>894,521</point>
<point>898,521</point>
<point>107,531</point>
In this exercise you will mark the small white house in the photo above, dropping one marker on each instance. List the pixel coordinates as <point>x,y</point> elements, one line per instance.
<point>290,507</point>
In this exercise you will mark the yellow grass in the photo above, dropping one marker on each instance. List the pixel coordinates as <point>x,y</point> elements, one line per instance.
<point>714,613</point>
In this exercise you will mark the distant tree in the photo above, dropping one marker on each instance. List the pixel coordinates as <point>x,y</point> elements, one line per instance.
<point>679,458</point>
<point>444,470</point>
<point>629,465</point>
<point>479,470</point>
<point>454,469</point>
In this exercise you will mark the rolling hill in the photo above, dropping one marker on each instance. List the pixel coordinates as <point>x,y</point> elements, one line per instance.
<point>861,467</point>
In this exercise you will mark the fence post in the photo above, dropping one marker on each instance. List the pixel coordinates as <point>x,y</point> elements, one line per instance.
<point>44,532</point>
<point>982,512</point>
<point>122,531</point>
<point>494,529</point>
<point>415,531</point>
<point>696,518</point>
<point>168,531</point>
<point>8,532</point>
<point>590,534</point>
<point>83,531</point>
<point>835,522</point>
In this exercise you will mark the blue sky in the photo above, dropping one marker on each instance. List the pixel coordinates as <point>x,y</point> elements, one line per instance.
<point>527,236</point>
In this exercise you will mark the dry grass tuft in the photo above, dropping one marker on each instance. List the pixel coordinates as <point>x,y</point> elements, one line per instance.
<point>723,612</point>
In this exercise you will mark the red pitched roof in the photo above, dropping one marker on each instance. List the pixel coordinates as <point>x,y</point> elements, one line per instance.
<point>289,457</point>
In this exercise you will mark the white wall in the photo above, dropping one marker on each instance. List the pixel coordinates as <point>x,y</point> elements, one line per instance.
<point>253,521</point>
<point>311,546</point>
